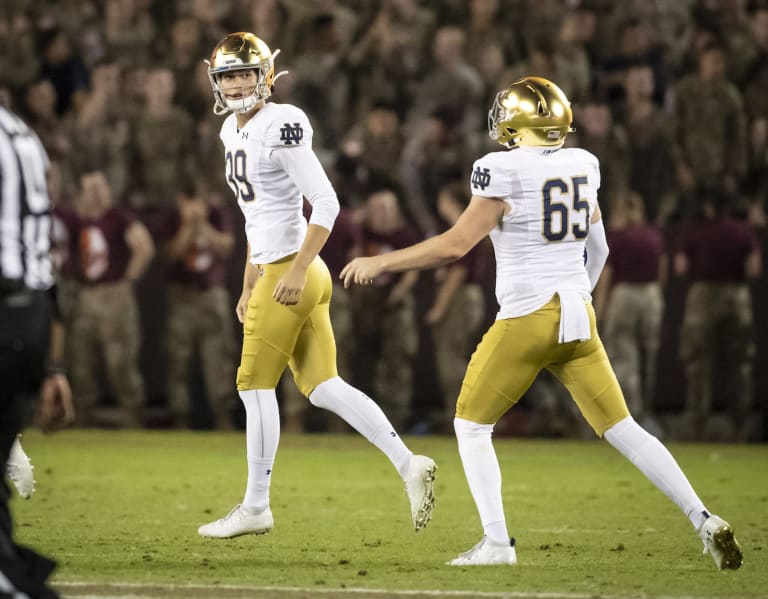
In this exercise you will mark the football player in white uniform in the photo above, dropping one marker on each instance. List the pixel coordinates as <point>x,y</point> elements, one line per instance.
<point>538,202</point>
<point>271,167</point>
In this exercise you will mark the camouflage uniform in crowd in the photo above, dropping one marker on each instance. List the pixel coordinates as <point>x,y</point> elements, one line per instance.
<point>711,129</point>
<point>106,333</point>
<point>717,339</point>
<point>387,341</point>
<point>199,317</point>
<point>385,332</point>
<point>162,150</point>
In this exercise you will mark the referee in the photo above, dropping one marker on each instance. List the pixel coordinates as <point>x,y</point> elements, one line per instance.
<point>30,337</point>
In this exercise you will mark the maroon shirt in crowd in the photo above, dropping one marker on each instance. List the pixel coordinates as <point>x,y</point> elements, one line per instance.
<point>103,253</point>
<point>199,267</point>
<point>64,241</point>
<point>717,249</point>
<point>635,252</point>
<point>346,237</point>
<point>376,245</point>
<point>477,263</point>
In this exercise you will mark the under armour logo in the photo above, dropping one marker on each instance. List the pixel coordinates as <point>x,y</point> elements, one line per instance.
<point>269,471</point>
<point>392,433</point>
<point>244,135</point>
<point>481,178</point>
<point>291,134</point>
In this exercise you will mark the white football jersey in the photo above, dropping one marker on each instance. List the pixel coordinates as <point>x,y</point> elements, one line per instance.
<point>270,166</point>
<point>539,245</point>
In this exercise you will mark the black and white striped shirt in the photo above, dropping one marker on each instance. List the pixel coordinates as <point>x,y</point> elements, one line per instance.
<point>25,219</point>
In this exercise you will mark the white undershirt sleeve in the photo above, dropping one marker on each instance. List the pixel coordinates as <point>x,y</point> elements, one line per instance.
<point>597,251</point>
<point>305,170</point>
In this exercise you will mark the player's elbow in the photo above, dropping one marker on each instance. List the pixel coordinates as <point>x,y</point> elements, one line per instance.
<point>325,209</point>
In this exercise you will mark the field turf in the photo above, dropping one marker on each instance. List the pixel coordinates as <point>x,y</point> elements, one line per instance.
<point>120,511</point>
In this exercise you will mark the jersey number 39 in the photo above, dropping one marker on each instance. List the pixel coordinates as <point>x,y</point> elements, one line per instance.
<point>237,178</point>
<point>562,204</point>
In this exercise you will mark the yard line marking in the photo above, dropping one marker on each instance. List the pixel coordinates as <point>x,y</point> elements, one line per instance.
<point>133,590</point>
<point>130,590</point>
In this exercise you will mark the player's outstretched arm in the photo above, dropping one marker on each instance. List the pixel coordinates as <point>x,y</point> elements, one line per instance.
<point>479,219</point>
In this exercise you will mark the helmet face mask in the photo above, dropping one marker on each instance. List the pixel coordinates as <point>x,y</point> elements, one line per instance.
<point>532,111</point>
<point>237,52</point>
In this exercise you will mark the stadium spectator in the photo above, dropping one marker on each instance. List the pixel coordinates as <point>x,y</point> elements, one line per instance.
<point>129,32</point>
<point>98,132</point>
<point>375,145</point>
<point>322,62</point>
<point>451,83</point>
<point>162,142</point>
<point>64,68</point>
<point>40,103</point>
<point>756,90</point>
<point>545,318</point>
<point>19,60</point>
<point>597,132</point>
<point>719,255</point>
<point>435,152</point>
<point>391,53</point>
<point>485,27</point>
<point>629,301</point>
<point>710,125</point>
<point>651,145</point>
<point>114,251</point>
<point>196,239</point>
<point>383,312</point>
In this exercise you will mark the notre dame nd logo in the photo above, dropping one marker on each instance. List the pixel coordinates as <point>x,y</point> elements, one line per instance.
<point>481,178</point>
<point>291,134</point>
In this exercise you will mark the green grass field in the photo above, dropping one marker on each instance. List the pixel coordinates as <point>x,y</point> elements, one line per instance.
<point>123,507</point>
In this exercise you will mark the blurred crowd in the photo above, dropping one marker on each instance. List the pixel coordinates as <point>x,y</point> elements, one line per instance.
<point>671,95</point>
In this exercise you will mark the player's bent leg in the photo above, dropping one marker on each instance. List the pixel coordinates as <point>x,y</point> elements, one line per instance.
<point>366,417</point>
<point>650,456</point>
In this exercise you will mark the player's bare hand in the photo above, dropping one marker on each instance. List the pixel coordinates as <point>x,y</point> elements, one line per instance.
<point>55,408</point>
<point>289,288</point>
<point>361,271</point>
<point>242,305</point>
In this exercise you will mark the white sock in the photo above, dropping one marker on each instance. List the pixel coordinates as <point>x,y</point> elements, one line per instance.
<point>481,467</point>
<point>654,460</point>
<point>262,434</point>
<point>365,416</point>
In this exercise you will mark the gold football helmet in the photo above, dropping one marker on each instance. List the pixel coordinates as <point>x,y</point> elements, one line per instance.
<point>532,111</point>
<point>239,51</point>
